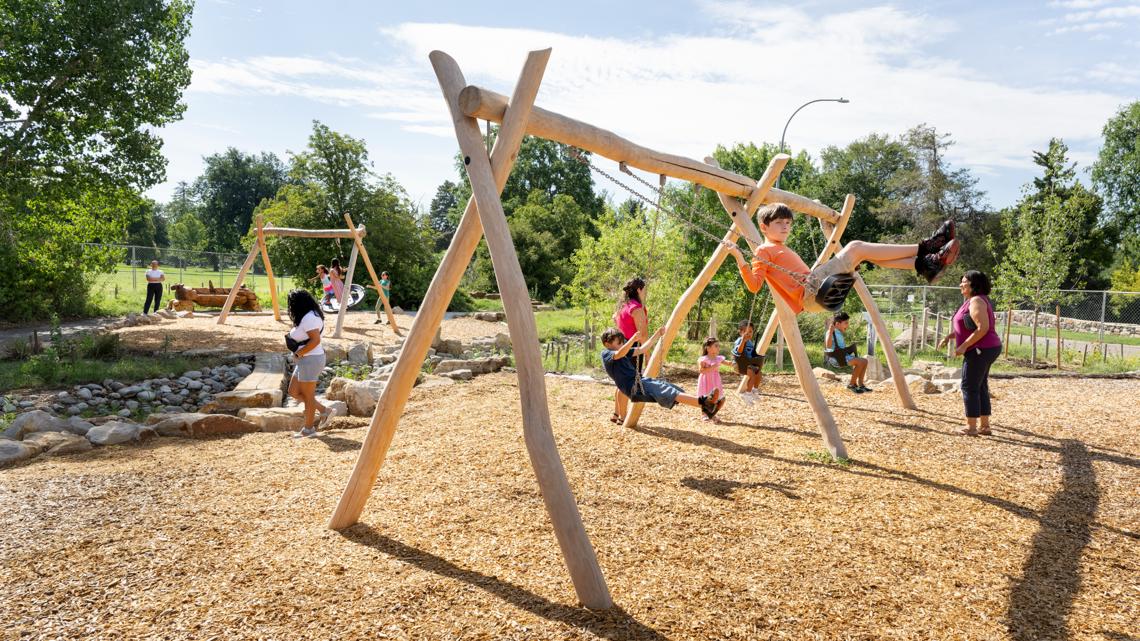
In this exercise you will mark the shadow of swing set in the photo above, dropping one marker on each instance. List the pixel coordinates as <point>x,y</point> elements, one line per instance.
<point>354,232</point>
<point>483,216</point>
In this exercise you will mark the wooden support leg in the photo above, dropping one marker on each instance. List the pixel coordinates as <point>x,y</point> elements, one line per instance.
<point>538,435</point>
<point>237,284</point>
<point>268,268</point>
<point>359,245</point>
<point>585,573</point>
<point>884,336</point>
<point>346,293</point>
<point>830,432</point>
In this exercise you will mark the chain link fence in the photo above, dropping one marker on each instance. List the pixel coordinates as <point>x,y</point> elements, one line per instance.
<point>1091,323</point>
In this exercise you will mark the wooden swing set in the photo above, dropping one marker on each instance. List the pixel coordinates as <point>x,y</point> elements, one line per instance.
<point>357,235</point>
<point>484,216</point>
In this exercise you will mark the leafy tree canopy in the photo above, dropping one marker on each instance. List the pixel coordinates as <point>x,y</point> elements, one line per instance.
<point>232,185</point>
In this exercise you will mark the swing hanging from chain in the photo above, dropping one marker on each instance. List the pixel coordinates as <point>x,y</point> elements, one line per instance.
<point>830,293</point>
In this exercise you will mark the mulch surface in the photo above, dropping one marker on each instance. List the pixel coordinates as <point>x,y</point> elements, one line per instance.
<point>730,531</point>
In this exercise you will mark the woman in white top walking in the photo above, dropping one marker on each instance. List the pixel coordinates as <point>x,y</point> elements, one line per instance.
<point>308,321</point>
<point>154,280</point>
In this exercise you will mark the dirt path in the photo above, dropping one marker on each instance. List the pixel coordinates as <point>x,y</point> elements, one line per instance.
<point>730,531</point>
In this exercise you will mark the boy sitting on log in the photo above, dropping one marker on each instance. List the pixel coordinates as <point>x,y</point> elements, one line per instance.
<point>642,389</point>
<point>788,275</point>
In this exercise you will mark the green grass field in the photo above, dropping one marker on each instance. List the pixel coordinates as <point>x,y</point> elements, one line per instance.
<point>125,290</point>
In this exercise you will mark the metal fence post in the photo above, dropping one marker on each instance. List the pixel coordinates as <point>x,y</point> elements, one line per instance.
<point>135,272</point>
<point>1103,307</point>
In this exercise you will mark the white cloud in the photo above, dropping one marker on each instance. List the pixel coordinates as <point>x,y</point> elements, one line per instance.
<point>684,94</point>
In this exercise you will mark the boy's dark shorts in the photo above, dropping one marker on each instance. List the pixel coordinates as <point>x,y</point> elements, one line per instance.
<point>657,391</point>
<point>743,363</point>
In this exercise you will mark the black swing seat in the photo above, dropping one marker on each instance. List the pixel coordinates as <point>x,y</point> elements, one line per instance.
<point>833,291</point>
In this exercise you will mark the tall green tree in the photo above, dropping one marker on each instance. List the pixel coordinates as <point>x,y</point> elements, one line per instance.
<point>1116,177</point>
<point>83,85</point>
<point>1040,253</point>
<point>440,213</point>
<point>232,185</point>
<point>873,169</point>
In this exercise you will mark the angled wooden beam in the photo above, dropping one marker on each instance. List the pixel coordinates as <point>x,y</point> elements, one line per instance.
<point>268,268</point>
<point>487,178</point>
<point>488,105</point>
<point>538,434</point>
<point>740,225</point>
<point>358,244</point>
<point>237,284</point>
<point>346,291</point>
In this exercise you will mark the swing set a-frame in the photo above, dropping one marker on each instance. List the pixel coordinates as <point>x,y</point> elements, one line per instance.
<point>483,217</point>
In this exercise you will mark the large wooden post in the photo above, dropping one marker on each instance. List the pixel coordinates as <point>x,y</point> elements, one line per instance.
<point>537,432</point>
<point>346,292</point>
<point>487,179</point>
<point>237,284</point>
<point>823,417</point>
<point>268,268</point>
<point>372,274</point>
<point>740,223</point>
<point>884,335</point>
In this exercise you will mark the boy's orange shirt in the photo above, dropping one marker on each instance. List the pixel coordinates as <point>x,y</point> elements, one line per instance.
<point>787,287</point>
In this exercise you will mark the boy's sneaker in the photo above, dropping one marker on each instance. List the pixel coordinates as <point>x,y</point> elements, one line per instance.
<point>716,407</point>
<point>748,398</point>
<point>855,388</point>
<point>931,266</point>
<point>938,239</point>
<point>864,389</point>
<point>306,432</point>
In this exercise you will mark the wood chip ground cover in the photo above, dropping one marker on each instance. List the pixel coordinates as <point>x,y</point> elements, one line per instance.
<point>730,531</point>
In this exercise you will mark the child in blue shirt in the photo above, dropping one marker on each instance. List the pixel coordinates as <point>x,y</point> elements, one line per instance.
<point>616,357</point>
<point>839,354</point>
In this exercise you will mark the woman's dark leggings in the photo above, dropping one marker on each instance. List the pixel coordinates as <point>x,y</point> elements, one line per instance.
<point>153,291</point>
<point>976,380</point>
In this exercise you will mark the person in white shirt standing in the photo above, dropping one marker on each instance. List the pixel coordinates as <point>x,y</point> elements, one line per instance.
<point>308,321</point>
<point>154,280</point>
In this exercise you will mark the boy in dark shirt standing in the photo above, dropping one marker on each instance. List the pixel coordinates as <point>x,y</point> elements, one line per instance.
<point>620,367</point>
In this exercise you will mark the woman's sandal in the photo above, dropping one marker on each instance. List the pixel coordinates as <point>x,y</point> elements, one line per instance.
<point>617,420</point>
<point>966,431</point>
<point>985,431</point>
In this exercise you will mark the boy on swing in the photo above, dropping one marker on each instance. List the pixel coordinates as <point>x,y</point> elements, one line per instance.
<point>788,275</point>
<point>616,357</point>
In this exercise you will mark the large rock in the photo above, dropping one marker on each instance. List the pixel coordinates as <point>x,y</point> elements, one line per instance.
<point>459,374</point>
<point>116,432</point>
<point>437,381</point>
<point>922,386</point>
<point>334,353</point>
<point>275,419</point>
<point>238,399</point>
<point>58,443</point>
<point>360,353</point>
<point>824,373</point>
<point>449,346</point>
<point>336,387</point>
<point>35,421</point>
<point>362,396</point>
<point>194,425</point>
<point>12,452</point>
<point>476,365</point>
<point>876,371</point>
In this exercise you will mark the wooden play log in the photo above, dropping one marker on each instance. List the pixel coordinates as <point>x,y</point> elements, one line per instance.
<point>314,233</point>
<point>484,104</point>
<point>823,417</point>
<point>491,176</point>
<point>359,244</point>
<point>237,284</point>
<point>268,268</point>
<point>342,311</point>
<point>689,298</point>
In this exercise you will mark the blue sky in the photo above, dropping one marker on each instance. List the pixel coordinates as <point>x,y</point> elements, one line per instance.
<point>680,77</point>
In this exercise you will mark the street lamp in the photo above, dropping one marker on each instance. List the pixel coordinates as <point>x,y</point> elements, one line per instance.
<point>782,134</point>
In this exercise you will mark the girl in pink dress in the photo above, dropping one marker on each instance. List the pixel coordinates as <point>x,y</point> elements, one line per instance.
<point>709,364</point>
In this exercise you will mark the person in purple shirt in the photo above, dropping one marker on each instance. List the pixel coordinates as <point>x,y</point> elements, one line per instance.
<point>979,346</point>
